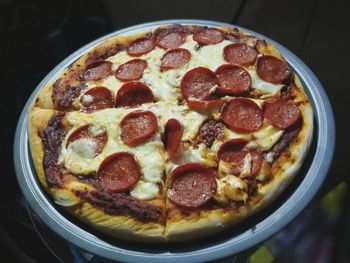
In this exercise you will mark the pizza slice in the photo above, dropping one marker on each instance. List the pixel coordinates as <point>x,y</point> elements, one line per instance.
<point>80,163</point>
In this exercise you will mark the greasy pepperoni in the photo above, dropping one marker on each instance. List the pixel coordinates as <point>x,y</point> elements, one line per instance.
<point>141,46</point>
<point>240,54</point>
<point>97,98</point>
<point>242,115</point>
<point>209,132</point>
<point>172,138</point>
<point>133,94</point>
<point>234,151</point>
<point>137,127</point>
<point>281,113</point>
<point>97,70</point>
<point>208,36</point>
<point>192,185</point>
<point>118,172</point>
<point>272,69</point>
<point>233,80</point>
<point>175,58</point>
<point>197,84</point>
<point>84,132</point>
<point>131,70</point>
<point>171,40</point>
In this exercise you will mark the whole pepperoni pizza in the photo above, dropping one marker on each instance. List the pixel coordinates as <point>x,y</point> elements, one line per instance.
<point>171,134</point>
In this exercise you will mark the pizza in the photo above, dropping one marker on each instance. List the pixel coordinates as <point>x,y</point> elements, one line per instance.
<point>171,134</point>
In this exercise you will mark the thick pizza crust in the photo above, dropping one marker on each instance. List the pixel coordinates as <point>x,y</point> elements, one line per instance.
<point>201,224</point>
<point>37,122</point>
<point>178,227</point>
<point>123,227</point>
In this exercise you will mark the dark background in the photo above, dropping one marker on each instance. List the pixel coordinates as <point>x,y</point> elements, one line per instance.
<point>36,35</point>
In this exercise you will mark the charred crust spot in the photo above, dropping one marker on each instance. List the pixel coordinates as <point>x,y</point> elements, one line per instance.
<point>52,138</point>
<point>232,35</point>
<point>103,53</point>
<point>290,135</point>
<point>121,204</point>
<point>289,92</point>
<point>176,28</point>
<point>209,132</point>
<point>252,186</point>
<point>64,91</point>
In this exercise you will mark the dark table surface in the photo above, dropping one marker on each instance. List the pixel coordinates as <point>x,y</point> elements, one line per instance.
<point>36,35</point>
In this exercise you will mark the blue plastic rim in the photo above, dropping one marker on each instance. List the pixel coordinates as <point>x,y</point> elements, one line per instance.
<point>81,236</point>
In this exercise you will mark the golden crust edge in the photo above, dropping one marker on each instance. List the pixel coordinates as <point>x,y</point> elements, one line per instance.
<point>208,223</point>
<point>37,121</point>
<point>121,227</point>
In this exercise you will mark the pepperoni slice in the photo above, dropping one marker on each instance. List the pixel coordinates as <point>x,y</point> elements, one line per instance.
<point>208,36</point>
<point>97,70</point>
<point>234,152</point>
<point>137,127</point>
<point>85,132</point>
<point>192,185</point>
<point>281,113</point>
<point>118,172</point>
<point>240,54</point>
<point>233,80</point>
<point>141,46</point>
<point>175,58</point>
<point>132,94</point>
<point>97,98</point>
<point>171,40</point>
<point>197,84</point>
<point>272,69</point>
<point>131,70</point>
<point>242,115</point>
<point>172,138</point>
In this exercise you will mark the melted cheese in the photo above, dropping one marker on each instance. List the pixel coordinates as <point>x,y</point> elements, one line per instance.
<point>145,190</point>
<point>79,158</point>
<point>192,155</point>
<point>210,56</point>
<point>231,188</point>
<point>87,99</point>
<point>83,148</point>
<point>267,136</point>
<point>150,155</point>
<point>247,165</point>
<point>266,88</point>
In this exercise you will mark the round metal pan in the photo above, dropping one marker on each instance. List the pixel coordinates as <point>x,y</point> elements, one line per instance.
<point>249,233</point>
